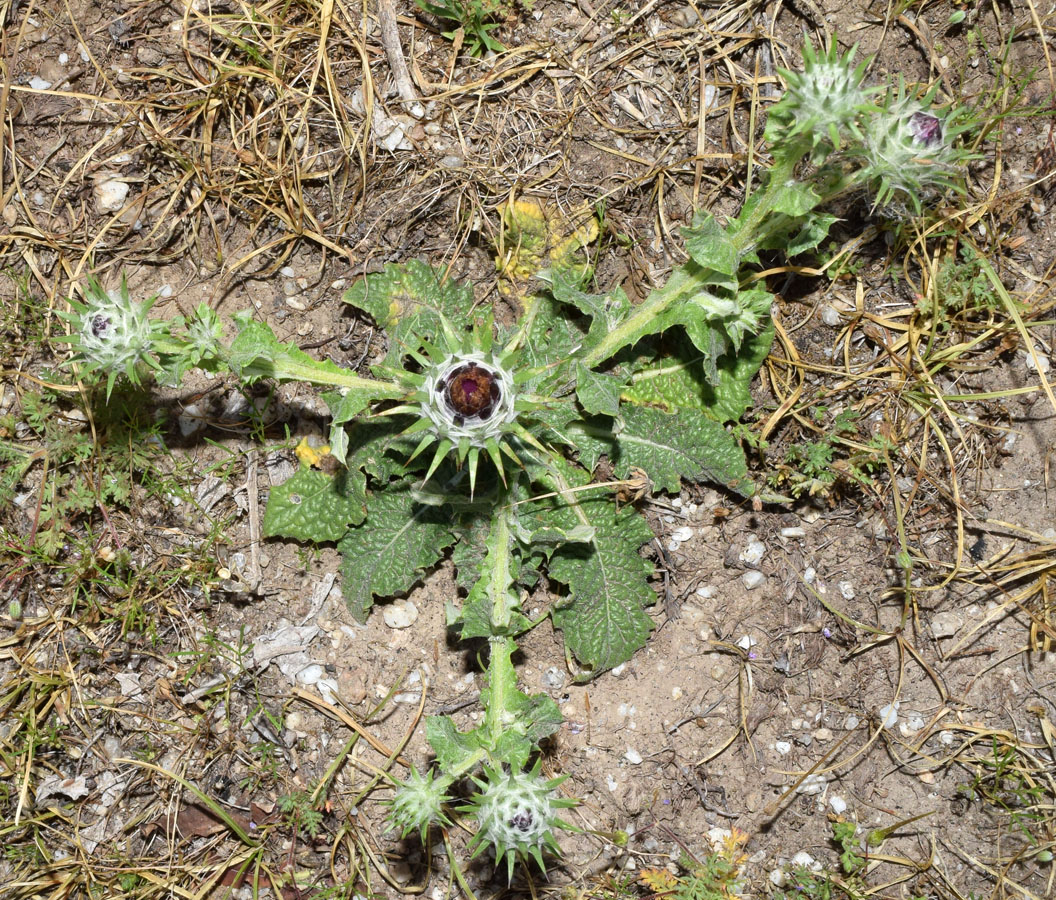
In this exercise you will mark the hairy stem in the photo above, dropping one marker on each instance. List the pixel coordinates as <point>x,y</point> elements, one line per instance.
<point>748,234</point>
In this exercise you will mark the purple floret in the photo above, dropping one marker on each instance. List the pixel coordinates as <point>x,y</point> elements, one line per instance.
<point>926,128</point>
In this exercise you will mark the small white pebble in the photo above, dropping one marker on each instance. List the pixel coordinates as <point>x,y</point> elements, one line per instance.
<point>706,591</point>
<point>1042,363</point>
<point>793,532</point>
<point>812,784</point>
<point>746,642</point>
<point>288,272</point>
<point>889,715</point>
<point>165,290</point>
<point>677,503</point>
<point>64,58</point>
<point>830,315</point>
<point>810,574</point>
<point>610,783</point>
<point>846,590</point>
<point>803,859</point>
<point>783,747</point>
<point>753,579</point>
<point>682,534</point>
<point>617,671</point>
<point>192,419</point>
<point>110,194</point>
<point>753,551</point>
<point>38,83</point>
<point>673,546</point>
<point>838,804</point>
<point>633,756</point>
<point>401,614</point>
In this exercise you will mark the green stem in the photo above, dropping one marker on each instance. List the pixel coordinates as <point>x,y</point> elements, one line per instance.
<point>499,576</point>
<point>745,238</point>
<point>502,687</point>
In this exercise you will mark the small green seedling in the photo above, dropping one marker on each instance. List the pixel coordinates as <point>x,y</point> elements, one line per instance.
<point>475,18</point>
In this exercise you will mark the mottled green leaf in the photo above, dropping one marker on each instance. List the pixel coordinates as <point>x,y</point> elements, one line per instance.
<point>389,553</point>
<point>453,748</point>
<point>408,301</point>
<point>379,447</point>
<point>344,406</point>
<point>598,394</point>
<point>795,198</point>
<point>602,619</point>
<point>710,247</point>
<point>687,444</point>
<point>679,381</point>
<point>314,506</point>
<point>551,341</point>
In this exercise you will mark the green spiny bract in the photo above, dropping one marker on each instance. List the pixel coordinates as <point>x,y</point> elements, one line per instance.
<point>516,814</point>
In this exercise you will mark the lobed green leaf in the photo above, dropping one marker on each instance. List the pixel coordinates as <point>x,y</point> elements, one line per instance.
<point>602,619</point>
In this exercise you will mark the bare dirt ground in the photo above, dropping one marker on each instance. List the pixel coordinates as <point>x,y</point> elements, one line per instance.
<point>256,156</point>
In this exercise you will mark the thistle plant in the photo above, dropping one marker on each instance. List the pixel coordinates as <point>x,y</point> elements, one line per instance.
<point>479,439</point>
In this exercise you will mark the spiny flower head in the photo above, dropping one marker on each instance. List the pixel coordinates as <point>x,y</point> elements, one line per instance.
<point>822,103</point>
<point>466,400</point>
<point>112,332</point>
<point>908,148</point>
<point>419,802</point>
<point>516,814</point>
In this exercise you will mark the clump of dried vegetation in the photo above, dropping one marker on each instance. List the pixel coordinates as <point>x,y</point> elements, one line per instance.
<point>209,145</point>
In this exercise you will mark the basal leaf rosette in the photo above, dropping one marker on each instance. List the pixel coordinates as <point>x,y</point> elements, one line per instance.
<point>516,815</point>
